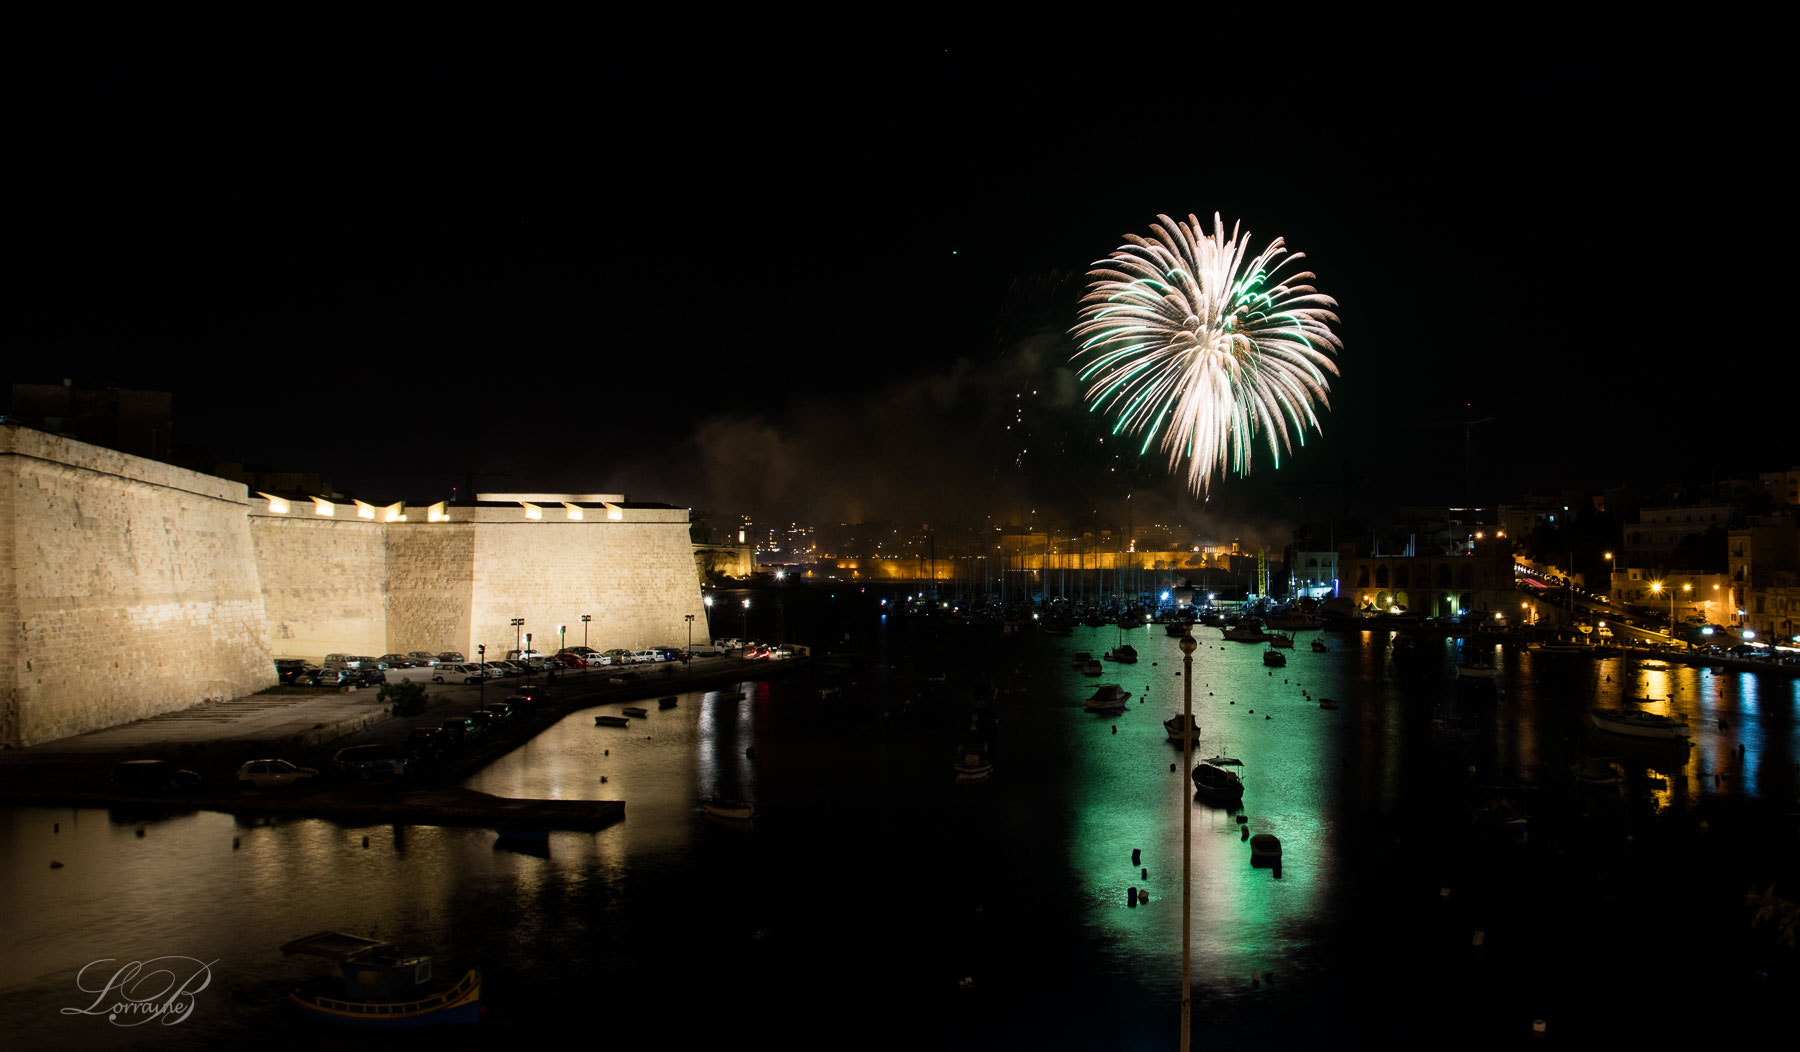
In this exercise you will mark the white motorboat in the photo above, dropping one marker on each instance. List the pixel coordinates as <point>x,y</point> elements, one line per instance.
<point>1634,724</point>
<point>1108,699</point>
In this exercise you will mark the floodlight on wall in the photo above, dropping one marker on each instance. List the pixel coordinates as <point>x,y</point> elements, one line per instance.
<point>574,510</point>
<point>277,506</point>
<point>321,506</point>
<point>532,511</point>
<point>364,510</point>
<point>394,512</point>
<point>437,513</point>
<point>614,512</point>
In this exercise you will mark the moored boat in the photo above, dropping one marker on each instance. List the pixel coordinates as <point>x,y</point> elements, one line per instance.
<point>1282,642</point>
<point>1216,785</point>
<point>634,711</point>
<point>1479,670</point>
<point>1319,646</point>
<point>1265,850</point>
<point>1248,632</point>
<point>1092,668</point>
<point>973,766</point>
<point>1173,726</point>
<point>382,986</point>
<point>1108,698</point>
<point>1274,659</point>
<point>667,703</point>
<point>1634,724</point>
<point>611,721</point>
<point>720,807</point>
<point>1125,653</point>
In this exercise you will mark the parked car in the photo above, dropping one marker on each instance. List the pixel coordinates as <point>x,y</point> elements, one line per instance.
<point>502,710</point>
<point>648,657</point>
<point>527,697</point>
<point>456,728</point>
<point>370,762</point>
<point>421,659</point>
<point>484,722</point>
<point>570,661</point>
<point>327,677</point>
<point>670,653</point>
<point>399,661</point>
<point>522,655</point>
<point>424,743</point>
<point>618,657</point>
<point>451,657</point>
<point>274,774</point>
<point>287,670</point>
<point>458,674</point>
<point>152,777</point>
<point>370,677</point>
<point>343,661</point>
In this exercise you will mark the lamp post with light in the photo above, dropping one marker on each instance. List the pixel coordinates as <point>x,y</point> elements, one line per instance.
<point>585,618</point>
<point>687,656</point>
<point>745,638</point>
<point>481,658</point>
<point>518,624</point>
<point>1612,572</point>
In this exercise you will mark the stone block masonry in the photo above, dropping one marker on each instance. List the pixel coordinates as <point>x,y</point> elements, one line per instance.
<point>129,589</point>
<point>134,588</point>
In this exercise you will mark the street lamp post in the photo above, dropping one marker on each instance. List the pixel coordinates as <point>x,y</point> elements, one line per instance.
<point>518,624</point>
<point>1612,572</point>
<point>527,662</point>
<point>481,656</point>
<point>744,639</point>
<point>687,656</point>
<point>585,618</point>
<point>706,601</point>
<point>1187,825</point>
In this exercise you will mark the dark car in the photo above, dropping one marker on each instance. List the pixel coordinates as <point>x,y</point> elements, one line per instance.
<point>528,696</point>
<point>504,710</point>
<point>484,722</point>
<point>456,728</point>
<point>369,677</point>
<point>399,661</point>
<point>424,743</point>
<point>326,677</point>
<point>451,657</point>
<point>289,669</point>
<point>153,777</point>
<point>370,762</point>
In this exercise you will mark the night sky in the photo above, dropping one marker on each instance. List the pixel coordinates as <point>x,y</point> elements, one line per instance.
<point>836,284</point>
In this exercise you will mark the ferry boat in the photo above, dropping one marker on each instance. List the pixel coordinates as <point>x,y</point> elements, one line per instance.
<point>382,986</point>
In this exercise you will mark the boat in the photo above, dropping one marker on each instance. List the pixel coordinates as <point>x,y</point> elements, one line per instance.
<point>1265,850</point>
<point>1479,670</point>
<point>1092,668</point>
<point>1564,648</point>
<point>1173,726</point>
<point>1319,646</point>
<point>1176,628</point>
<point>738,810</point>
<point>1080,658</point>
<point>1597,770</point>
<point>667,703</point>
<point>974,766</point>
<point>381,986</point>
<point>1282,642</point>
<point>1500,811</point>
<point>1328,703</point>
<point>634,711</point>
<point>1634,724</point>
<point>1216,785</point>
<point>611,721</point>
<point>1250,632</point>
<point>1274,659</point>
<point>1125,653</point>
<point>1108,699</point>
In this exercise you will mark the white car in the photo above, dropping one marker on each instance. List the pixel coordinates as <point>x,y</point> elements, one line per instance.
<point>457,674</point>
<point>274,774</point>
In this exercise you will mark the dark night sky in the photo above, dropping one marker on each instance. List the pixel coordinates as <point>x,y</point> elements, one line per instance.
<point>762,278</point>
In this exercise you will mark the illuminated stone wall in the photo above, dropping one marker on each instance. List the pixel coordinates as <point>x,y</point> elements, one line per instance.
<point>430,587</point>
<point>636,577</point>
<point>324,583</point>
<point>130,589</point>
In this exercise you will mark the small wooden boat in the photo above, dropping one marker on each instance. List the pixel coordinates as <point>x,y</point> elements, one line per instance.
<point>1274,659</point>
<point>611,721</point>
<point>1479,670</point>
<point>1216,785</point>
<point>635,711</point>
<point>739,810</point>
<point>382,986</point>
<point>974,766</point>
<point>1080,658</point>
<point>1265,850</point>
<point>1319,646</point>
<point>1125,653</point>
<point>1282,642</point>
<point>1107,700</point>
<point>1173,726</point>
<point>1092,668</point>
<point>1328,703</point>
<point>667,703</point>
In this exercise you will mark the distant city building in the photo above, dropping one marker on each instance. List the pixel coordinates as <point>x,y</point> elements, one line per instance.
<point>130,421</point>
<point>1764,572</point>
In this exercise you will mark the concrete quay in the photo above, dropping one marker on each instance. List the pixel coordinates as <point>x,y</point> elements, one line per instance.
<point>308,726</point>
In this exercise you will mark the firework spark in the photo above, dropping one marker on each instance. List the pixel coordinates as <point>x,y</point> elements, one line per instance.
<point>1186,335</point>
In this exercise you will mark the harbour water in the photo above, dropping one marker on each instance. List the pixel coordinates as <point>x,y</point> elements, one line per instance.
<point>877,902</point>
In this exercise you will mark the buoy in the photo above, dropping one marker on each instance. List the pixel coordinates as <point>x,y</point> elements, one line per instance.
<point>1478,938</point>
<point>1268,717</point>
<point>1115,728</point>
<point>1144,874</point>
<point>140,832</point>
<point>1443,893</point>
<point>607,752</point>
<point>365,841</point>
<point>602,779</point>
<point>1171,767</point>
<point>234,843</point>
<point>1137,853</point>
<point>56,827</point>
<point>1245,831</point>
<point>1144,897</point>
<point>1538,1026</point>
<point>1131,898</point>
<point>55,864</point>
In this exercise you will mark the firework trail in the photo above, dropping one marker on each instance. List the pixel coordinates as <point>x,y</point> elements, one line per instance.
<point>1186,335</point>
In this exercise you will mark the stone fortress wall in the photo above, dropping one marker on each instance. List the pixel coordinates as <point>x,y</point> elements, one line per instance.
<point>130,588</point>
<point>135,588</point>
